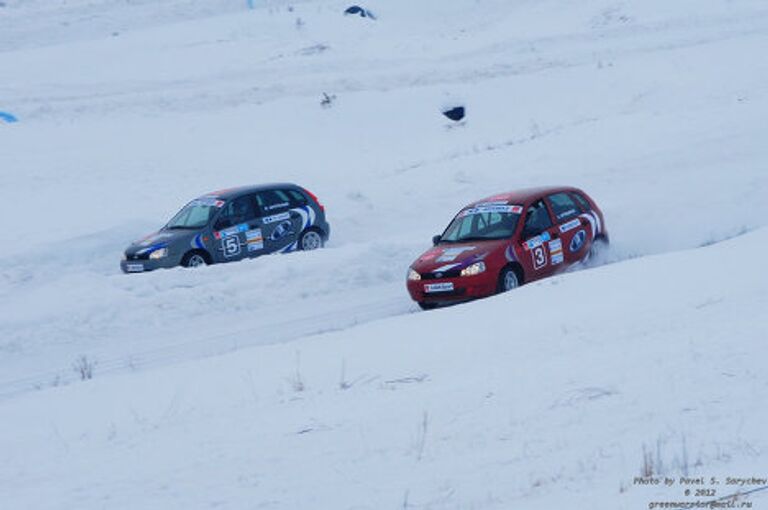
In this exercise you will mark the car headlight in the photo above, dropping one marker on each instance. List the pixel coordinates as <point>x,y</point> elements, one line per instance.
<point>158,254</point>
<point>413,275</point>
<point>476,268</point>
<point>124,257</point>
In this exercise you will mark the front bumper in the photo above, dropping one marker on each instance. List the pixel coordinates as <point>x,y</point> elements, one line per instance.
<point>451,290</point>
<point>146,265</point>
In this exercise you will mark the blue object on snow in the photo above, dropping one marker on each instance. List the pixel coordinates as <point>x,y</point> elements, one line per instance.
<point>7,117</point>
<point>363,13</point>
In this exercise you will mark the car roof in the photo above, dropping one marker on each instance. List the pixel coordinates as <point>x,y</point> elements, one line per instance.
<point>229,193</point>
<point>523,196</point>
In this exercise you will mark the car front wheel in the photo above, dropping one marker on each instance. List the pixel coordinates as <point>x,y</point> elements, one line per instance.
<point>508,280</point>
<point>194,259</point>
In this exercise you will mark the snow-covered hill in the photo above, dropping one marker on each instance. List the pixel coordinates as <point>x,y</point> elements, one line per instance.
<point>543,398</point>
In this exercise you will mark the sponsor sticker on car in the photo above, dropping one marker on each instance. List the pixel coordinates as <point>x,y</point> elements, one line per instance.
<point>231,231</point>
<point>556,251</point>
<point>277,217</point>
<point>566,227</point>
<point>492,208</point>
<point>134,268</point>
<point>578,241</point>
<point>438,287</point>
<point>255,240</point>
<point>452,254</point>
<point>537,241</point>
<point>209,201</point>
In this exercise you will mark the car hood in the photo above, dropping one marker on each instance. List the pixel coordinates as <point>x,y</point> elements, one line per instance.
<point>160,239</point>
<point>455,256</point>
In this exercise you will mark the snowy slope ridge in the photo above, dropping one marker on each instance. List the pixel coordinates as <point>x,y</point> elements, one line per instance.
<point>543,398</point>
<point>490,405</point>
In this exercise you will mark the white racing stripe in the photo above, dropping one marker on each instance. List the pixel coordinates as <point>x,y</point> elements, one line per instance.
<point>591,220</point>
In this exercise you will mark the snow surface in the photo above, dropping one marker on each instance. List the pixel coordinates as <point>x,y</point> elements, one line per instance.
<point>310,380</point>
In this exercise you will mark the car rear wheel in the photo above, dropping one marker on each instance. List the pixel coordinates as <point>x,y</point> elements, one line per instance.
<point>508,280</point>
<point>194,259</point>
<point>596,252</point>
<point>427,306</point>
<point>311,240</point>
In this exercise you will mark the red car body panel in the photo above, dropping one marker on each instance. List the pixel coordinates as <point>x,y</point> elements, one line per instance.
<point>566,242</point>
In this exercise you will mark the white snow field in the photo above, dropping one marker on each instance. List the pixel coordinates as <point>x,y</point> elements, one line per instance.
<point>311,380</point>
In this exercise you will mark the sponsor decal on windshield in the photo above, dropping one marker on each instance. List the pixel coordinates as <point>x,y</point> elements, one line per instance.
<point>209,201</point>
<point>491,208</point>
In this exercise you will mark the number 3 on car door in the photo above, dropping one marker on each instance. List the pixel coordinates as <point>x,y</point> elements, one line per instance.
<point>539,254</point>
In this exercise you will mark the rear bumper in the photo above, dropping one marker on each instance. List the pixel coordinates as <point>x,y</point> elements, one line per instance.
<point>326,228</point>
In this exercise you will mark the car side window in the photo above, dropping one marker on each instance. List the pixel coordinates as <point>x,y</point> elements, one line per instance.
<point>537,219</point>
<point>297,198</point>
<point>563,206</point>
<point>583,202</point>
<point>272,201</point>
<point>239,210</point>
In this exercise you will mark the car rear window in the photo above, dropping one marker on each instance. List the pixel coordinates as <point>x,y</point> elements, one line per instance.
<point>563,206</point>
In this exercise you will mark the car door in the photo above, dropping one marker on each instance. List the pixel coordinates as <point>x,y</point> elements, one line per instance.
<point>235,226</point>
<point>280,223</point>
<point>575,231</point>
<point>541,245</point>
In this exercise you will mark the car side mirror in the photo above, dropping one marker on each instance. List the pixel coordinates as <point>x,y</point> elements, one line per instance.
<point>436,240</point>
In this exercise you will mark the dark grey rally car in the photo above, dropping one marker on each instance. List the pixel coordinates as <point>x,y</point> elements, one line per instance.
<point>233,224</point>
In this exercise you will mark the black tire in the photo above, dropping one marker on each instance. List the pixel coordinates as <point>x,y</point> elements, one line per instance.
<point>195,259</point>
<point>509,279</point>
<point>311,239</point>
<point>427,306</point>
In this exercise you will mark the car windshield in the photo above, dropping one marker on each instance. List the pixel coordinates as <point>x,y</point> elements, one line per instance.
<point>196,214</point>
<point>483,222</point>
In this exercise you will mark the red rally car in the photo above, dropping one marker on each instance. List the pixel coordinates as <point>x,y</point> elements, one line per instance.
<point>506,240</point>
